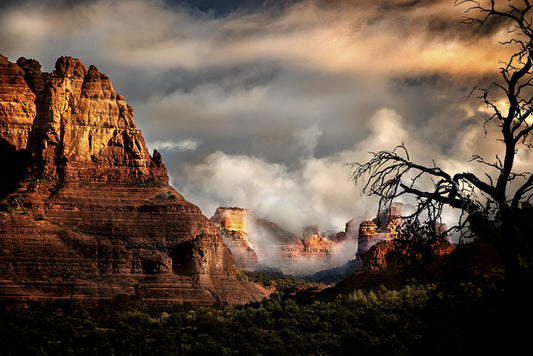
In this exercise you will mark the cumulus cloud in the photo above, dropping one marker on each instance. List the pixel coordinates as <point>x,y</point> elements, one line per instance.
<point>315,191</point>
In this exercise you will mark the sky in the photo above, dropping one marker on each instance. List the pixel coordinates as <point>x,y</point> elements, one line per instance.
<point>260,104</point>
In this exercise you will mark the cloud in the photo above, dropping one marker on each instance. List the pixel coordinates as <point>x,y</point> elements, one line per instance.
<point>188,144</point>
<point>313,191</point>
<point>254,78</point>
<point>348,37</point>
<point>319,190</point>
<point>307,141</point>
<point>261,106</point>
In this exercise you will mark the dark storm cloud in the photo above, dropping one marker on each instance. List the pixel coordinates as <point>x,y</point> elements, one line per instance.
<point>438,18</point>
<point>223,8</point>
<point>242,77</point>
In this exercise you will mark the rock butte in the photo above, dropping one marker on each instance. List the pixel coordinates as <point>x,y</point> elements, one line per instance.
<point>86,211</point>
<point>231,222</point>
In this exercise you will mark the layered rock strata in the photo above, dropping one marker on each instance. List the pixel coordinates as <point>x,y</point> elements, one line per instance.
<point>94,215</point>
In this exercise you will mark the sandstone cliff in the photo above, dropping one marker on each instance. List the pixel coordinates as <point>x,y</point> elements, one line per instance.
<point>94,215</point>
<point>17,112</point>
<point>232,224</point>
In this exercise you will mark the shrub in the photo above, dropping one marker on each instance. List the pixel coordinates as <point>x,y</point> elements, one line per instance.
<point>150,183</point>
<point>164,196</point>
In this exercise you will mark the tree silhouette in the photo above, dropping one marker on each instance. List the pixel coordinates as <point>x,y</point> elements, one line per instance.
<point>492,205</point>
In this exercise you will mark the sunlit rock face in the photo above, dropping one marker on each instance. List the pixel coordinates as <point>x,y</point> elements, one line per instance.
<point>382,228</point>
<point>232,219</point>
<point>316,246</point>
<point>231,222</point>
<point>94,215</point>
<point>17,112</point>
<point>84,131</point>
<point>17,105</point>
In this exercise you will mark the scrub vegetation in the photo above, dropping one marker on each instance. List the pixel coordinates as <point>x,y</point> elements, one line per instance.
<point>457,316</point>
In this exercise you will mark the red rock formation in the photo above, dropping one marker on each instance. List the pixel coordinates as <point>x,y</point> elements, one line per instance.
<point>32,74</point>
<point>234,219</point>
<point>398,253</point>
<point>255,241</point>
<point>382,228</point>
<point>287,248</point>
<point>316,246</point>
<point>274,244</point>
<point>386,262</point>
<point>84,131</point>
<point>17,105</point>
<point>231,222</point>
<point>95,216</point>
<point>312,248</point>
<point>368,236</point>
<point>17,111</point>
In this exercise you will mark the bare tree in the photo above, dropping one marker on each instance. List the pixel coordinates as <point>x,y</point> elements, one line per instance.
<point>492,205</point>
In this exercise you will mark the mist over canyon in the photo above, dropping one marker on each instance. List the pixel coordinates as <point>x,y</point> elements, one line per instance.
<point>261,245</point>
